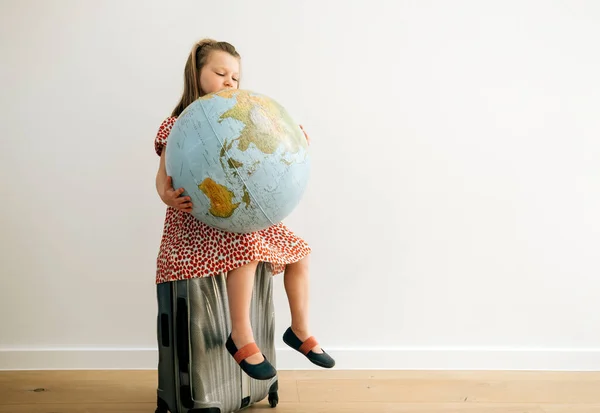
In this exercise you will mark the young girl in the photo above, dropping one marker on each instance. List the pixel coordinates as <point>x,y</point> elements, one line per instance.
<point>190,248</point>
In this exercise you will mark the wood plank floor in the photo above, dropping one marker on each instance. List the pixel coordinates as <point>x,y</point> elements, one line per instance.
<point>319,392</point>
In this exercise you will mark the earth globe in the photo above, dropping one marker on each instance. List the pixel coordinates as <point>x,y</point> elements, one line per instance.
<point>241,159</point>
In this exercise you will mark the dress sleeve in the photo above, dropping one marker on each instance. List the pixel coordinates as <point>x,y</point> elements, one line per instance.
<point>163,133</point>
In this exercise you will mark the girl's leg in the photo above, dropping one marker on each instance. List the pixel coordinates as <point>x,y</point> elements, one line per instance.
<point>239,293</point>
<point>296,282</point>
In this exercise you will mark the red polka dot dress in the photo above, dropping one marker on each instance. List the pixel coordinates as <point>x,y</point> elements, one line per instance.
<point>191,249</point>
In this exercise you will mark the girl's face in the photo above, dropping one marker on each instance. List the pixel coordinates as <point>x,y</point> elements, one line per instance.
<point>221,71</point>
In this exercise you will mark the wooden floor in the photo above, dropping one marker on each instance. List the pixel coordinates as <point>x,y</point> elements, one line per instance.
<point>319,392</point>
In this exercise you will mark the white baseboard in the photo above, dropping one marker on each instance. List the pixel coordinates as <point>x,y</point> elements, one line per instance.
<point>346,359</point>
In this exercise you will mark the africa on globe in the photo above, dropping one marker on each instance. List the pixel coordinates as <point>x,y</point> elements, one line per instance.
<point>241,158</point>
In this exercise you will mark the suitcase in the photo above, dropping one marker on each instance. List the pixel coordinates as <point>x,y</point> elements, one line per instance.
<point>196,374</point>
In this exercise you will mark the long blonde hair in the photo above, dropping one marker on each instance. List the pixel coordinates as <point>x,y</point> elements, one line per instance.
<point>191,74</point>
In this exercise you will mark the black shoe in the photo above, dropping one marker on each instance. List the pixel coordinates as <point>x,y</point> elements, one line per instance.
<point>320,359</point>
<point>261,371</point>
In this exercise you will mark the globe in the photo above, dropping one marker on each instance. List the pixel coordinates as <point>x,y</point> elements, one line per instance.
<point>241,159</point>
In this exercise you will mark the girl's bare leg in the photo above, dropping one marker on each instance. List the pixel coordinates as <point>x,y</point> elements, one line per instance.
<point>240,283</point>
<point>296,282</point>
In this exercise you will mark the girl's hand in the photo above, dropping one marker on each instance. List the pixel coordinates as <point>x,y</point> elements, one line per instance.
<point>307,138</point>
<point>172,197</point>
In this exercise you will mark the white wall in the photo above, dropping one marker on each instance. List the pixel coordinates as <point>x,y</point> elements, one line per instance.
<point>454,202</point>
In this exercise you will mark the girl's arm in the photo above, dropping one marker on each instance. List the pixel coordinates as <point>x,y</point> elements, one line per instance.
<point>164,187</point>
<point>161,176</point>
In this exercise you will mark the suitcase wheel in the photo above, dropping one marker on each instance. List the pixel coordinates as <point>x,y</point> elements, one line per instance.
<point>273,399</point>
<point>162,406</point>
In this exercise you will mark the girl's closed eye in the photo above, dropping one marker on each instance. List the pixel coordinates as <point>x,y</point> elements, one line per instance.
<point>223,74</point>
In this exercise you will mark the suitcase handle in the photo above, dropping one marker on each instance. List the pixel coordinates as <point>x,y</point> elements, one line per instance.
<point>183,337</point>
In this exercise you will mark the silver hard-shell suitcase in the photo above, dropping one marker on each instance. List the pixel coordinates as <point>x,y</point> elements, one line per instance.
<point>196,374</point>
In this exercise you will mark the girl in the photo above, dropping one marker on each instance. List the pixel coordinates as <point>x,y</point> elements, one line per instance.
<point>190,248</point>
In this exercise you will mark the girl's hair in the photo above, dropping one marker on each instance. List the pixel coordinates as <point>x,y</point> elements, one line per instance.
<point>191,74</point>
